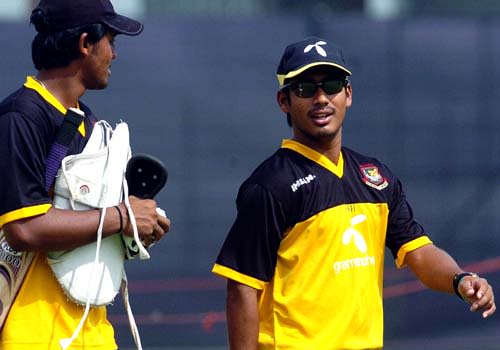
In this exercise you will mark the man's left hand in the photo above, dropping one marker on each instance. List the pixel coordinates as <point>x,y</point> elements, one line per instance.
<point>478,292</point>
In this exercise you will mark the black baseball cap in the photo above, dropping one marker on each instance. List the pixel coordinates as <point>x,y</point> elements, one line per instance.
<point>66,14</point>
<point>308,53</point>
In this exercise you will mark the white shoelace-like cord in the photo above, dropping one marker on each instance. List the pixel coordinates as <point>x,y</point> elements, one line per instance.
<point>66,342</point>
<point>124,287</point>
<point>142,251</point>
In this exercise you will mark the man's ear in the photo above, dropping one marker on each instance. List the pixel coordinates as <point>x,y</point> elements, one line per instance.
<point>348,93</point>
<point>83,44</point>
<point>283,101</point>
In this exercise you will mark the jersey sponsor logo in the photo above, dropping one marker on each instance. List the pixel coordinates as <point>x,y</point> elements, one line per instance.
<point>349,264</point>
<point>352,235</point>
<point>372,176</point>
<point>303,181</point>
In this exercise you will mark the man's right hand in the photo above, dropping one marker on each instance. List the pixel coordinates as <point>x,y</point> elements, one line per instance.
<point>150,225</point>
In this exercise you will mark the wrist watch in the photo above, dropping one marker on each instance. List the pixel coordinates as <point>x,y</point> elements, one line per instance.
<point>458,278</point>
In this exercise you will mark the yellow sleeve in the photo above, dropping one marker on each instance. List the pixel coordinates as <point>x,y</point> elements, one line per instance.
<point>228,273</point>
<point>410,246</point>
<point>24,213</point>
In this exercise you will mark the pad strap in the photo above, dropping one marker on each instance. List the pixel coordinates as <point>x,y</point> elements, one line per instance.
<point>65,135</point>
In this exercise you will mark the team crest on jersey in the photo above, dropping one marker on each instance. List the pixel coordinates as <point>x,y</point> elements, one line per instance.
<point>372,176</point>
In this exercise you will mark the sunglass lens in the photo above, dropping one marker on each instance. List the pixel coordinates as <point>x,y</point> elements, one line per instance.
<point>304,89</point>
<point>308,89</point>
<point>332,86</point>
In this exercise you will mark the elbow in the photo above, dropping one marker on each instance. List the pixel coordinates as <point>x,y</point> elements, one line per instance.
<point>18,238</point>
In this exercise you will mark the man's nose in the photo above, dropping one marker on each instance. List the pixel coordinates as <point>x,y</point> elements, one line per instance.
<point>321,97</point>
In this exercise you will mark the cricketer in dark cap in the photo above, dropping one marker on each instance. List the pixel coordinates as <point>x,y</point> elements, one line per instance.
<point>66,14</point>
<point>304,259</point>
<point>72,51</point>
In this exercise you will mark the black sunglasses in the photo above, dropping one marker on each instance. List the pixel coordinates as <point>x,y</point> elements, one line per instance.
<point>307,89</point>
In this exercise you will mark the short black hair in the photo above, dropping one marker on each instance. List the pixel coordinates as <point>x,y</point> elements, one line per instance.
<point>58,49</point>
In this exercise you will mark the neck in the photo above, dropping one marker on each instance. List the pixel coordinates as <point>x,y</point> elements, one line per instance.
<point>63,84</point>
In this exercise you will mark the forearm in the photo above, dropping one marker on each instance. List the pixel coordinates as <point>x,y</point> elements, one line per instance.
<point>434,267</point>
<point>59,229</point>
<point>242,316</point>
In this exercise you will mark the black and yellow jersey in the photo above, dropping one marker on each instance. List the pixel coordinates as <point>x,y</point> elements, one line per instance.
<point>311,236</point>
<point>29,121</point>
<point>41,314</point>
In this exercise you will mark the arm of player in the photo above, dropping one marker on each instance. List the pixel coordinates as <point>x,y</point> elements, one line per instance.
<point>61,229</point>
<point>242,313</point>
<point>436,269</point>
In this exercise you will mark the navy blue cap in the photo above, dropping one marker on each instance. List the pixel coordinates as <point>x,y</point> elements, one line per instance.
<point>308,53</point>
<point>66,14</point>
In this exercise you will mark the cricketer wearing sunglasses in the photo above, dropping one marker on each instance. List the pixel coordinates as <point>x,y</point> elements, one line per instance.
<point>304,258</point>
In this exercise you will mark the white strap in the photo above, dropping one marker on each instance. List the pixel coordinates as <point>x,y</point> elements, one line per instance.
<point>143,253</point>
<point>66,342</point>
<point>99,139</point>
<point>97,143</point>
<point>70,192</point>
<point>124,286</point>
<point>131,319</point>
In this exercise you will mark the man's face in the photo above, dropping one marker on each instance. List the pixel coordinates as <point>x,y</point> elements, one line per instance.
<point>316,119</point>
<point>97,67</point>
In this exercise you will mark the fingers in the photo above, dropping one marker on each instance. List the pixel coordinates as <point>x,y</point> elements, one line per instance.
<point>161,227</point>
<point>479,293</point>
<point>489,309</point>
<point>151,224</point>
<point>160,230</point>
<point>164,223</point>
<point>487,306</point>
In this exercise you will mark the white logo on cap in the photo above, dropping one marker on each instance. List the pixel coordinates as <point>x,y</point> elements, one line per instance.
<point>318,48</point>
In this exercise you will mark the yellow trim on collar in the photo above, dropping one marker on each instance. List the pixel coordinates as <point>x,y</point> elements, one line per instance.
<point>32,83</point>
<point>316,157</point>
<point>24,213</point>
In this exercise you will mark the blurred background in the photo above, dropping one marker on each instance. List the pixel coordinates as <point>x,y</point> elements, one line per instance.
<point>197,89</point>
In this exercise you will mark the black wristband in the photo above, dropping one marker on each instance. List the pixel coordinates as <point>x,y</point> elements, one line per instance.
<point>456,281</point>
<point>121,218</point>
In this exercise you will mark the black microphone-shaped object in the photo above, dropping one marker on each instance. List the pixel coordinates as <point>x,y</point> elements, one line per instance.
<point>146,175</point>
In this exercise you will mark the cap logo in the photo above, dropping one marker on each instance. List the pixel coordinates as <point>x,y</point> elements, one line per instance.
<point>318,48</point>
